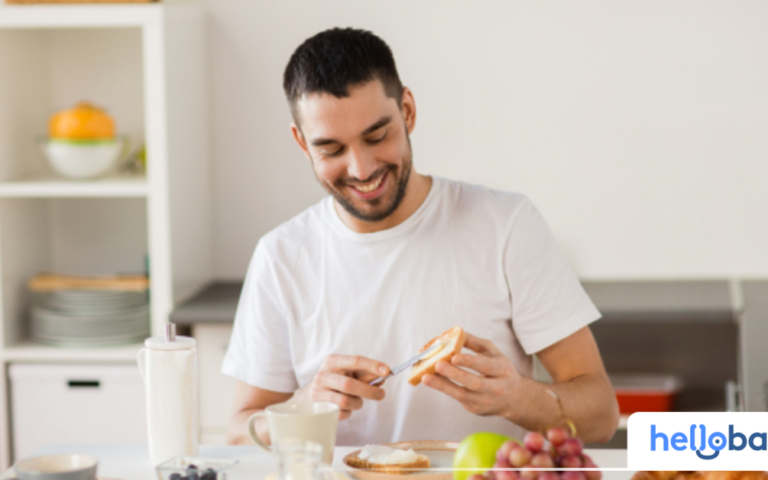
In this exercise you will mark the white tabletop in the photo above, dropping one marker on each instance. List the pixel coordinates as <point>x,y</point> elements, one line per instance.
<point>131,462</point>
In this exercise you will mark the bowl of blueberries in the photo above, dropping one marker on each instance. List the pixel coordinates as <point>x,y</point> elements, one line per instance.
<point>191,468</point>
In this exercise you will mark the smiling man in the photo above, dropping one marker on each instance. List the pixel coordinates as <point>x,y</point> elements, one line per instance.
<point>392,258</point>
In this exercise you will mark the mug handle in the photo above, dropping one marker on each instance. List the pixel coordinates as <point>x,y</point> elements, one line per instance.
<point>252,431</point>
<point>141,360</point>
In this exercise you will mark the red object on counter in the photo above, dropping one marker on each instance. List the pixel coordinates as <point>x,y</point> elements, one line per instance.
<point>646,393</point>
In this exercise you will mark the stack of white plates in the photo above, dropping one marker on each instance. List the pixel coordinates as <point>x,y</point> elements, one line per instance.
<point>89,318</point>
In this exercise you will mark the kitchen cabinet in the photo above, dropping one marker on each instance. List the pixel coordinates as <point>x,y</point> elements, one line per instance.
<point>96,404</point>
<point>146,65</point>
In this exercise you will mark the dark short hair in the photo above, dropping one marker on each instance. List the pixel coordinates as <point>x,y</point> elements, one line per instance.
<point>336,59</point>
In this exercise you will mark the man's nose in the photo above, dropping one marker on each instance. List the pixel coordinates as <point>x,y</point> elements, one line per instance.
<point>360,164</point>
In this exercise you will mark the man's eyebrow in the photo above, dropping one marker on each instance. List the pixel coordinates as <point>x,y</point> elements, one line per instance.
<point>380,123</point>
<point>319,142</point>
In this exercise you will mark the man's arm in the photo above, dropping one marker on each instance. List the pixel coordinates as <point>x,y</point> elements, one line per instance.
<point>249,400</point>
<point>499,389</point>
<point>342,379</point>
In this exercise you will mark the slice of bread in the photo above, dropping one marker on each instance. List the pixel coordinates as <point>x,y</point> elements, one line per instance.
<point>453,341</point>
<point>421,462</point>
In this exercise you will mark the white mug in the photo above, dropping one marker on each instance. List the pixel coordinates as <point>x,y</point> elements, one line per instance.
<point>313,421</point>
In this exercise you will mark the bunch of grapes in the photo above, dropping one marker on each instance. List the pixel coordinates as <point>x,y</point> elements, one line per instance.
<point>531,460</point>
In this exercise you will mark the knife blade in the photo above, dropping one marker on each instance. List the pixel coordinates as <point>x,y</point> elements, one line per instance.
<point>403,366</point>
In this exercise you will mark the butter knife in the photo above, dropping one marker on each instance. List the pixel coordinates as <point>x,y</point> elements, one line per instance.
<point>404,366</point>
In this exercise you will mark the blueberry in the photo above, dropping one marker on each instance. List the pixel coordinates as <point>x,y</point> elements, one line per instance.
<point>208,475</point>
<point>191,467</point>
<point>175,476</point>
<point>193,475</point>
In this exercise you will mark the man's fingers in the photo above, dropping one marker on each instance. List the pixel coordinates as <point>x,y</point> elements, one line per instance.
<point>345,402</point>
<point>482,346</point>
<point>356,364</point>
<point>469,380</point>
<point>446,386</point>
<point>351,386</point>
<point>490,367</point>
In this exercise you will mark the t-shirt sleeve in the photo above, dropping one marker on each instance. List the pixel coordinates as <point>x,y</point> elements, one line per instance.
<point>259,350</point>
<point>548,301</point>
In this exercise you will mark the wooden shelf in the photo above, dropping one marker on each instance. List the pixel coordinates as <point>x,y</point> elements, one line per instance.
<point>32,352</point>
<point>53,187</point>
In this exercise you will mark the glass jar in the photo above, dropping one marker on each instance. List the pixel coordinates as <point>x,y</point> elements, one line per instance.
<point>300,460</point>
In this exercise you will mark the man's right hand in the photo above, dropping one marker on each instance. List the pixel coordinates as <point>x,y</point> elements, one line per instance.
<point>343,380</point>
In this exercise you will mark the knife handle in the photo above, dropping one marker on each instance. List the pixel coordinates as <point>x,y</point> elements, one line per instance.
<point>378,381</point>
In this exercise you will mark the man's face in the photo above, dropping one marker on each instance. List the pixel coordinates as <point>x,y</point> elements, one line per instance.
<point>359,147</point>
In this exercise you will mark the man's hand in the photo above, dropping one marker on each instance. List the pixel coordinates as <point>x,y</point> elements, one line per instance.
<point>487,393</point>
<point>580,382</point>
<point>343,380</point>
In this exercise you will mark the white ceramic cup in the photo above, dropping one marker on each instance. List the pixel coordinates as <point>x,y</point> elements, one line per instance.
<point>57,467</point>
<point>312,421</point>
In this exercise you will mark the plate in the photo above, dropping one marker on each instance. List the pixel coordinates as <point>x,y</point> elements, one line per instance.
<point>440,455</point>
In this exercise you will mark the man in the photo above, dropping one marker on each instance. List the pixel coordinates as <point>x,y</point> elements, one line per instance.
<point>359,282</point>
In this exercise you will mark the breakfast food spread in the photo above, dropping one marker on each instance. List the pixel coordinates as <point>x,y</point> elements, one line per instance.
<point>453,341</point>
<point>381,458</point>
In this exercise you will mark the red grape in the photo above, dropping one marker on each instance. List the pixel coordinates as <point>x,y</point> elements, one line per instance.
<point>589,463</point>
<point>534,441</point>
<point>502,463</point>
<point>505,449</point>
<point>572,476</point>
<point>571,461</point>
<point>572,446</point>
<point>548,476</point>
<point>529,473</point>
<point>476,476</point>
<point>506,475</point>
<point>542,460</point>
<point>557,436</point>
<point>519,457</point>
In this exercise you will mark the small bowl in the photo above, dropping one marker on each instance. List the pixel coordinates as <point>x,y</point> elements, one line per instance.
<point>82,159</point>
<point>206,468</point>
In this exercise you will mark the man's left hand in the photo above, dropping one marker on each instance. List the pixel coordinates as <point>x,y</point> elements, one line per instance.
<point>490,391</point>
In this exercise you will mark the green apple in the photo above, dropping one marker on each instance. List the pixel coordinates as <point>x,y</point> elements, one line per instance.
<point>477,452</point>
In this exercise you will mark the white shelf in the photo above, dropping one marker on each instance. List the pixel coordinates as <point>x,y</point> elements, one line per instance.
<point>32,352</point>
<point>50,187</point>
<point>79,16</point>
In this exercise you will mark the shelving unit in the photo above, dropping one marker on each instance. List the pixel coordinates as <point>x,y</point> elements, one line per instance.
<point>146,65</point>
<point>44,186</point>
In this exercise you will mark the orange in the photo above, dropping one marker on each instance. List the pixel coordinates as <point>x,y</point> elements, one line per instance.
<point>84,122</point>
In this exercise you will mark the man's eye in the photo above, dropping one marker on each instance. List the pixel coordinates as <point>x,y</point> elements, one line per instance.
<point>334,153</point>
<point>374,141</point>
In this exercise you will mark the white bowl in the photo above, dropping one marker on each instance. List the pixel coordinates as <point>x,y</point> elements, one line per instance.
<point>73,159</point>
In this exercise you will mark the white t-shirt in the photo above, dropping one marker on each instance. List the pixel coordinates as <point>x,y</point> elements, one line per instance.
<point>469,256</point>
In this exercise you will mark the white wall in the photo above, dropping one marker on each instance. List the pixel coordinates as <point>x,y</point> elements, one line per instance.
<point>638,127</point>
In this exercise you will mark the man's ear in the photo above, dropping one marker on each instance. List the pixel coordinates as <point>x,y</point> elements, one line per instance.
<point>409,109</point>
<point>299,137</point>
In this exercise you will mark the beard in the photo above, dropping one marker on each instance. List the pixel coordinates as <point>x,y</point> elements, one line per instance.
<point>384,206</point>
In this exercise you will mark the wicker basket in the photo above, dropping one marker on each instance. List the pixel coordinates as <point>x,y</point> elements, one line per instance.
<point>29,2</point>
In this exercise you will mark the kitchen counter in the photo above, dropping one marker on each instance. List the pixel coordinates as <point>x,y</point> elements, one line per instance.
<point>131,462</point>
<point>662,301</point>
<point>216,303</point>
